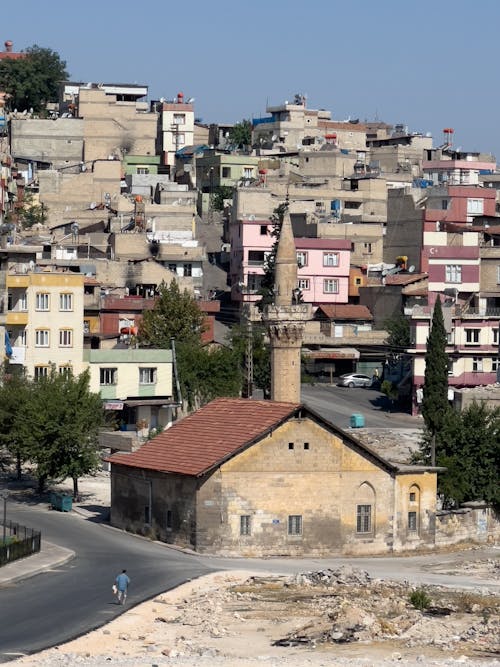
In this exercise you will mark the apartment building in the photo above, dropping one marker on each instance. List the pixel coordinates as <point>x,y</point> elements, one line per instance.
<point>464,271</point>
<point>323,264</point>
<point>176,129</point>
<point>44,320</point>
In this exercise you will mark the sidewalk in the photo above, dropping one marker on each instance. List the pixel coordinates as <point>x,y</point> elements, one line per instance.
<point>94,505</point>
<point>49,556</point>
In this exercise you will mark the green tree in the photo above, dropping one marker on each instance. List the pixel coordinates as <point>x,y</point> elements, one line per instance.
<point>30,213</point>
<point>174,315</point>
<point>266,290</point>
<point>398,328</point>
<point>435,406</point>
<point>15,391</point>
<point>240,135</point>
<point>33,81</point>
<point>204,373</point>
<point>61,426</point>
<point>391,392</point>
<point>221,192</point>
<point>468,447</point>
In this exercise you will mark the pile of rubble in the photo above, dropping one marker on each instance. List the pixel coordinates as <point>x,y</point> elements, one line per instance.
<point>345,605</point>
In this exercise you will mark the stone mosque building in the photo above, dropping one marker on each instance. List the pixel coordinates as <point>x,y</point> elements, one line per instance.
<point>266,478</point>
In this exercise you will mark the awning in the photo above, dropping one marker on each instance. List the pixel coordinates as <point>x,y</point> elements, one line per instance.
<point>337,353</point>
<point>150,401</point>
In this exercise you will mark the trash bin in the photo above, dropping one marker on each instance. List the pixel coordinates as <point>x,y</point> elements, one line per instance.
<point>55,501</point>
<point>357,421</point>
<point>66,503</point>
<point>61,502</point>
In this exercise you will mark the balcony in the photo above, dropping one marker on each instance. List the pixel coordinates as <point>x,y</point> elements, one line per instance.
<point>486,311</point>
<point>19,318</point>
<point>123,441</point>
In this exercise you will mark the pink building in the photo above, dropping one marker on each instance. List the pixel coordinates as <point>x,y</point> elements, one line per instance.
<point>323,274</point>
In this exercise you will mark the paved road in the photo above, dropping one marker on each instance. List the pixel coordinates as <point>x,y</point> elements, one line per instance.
<point>75,598</point>
<point>338,404</point>
<point>55,606</point>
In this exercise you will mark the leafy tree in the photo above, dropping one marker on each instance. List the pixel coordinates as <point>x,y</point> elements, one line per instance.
<point>14,396</point>
<point>468,446</point>
<point>30,213</point>
<point>174,315</point>
<point>221,192</point>
<point>33,81</point>
<point>240,135</point>
<point>266,290</point>
<point>435,406</point>
<point>391,392</point>
<point>61,425</point>
<point>398,328</point>
<point>204,373</point>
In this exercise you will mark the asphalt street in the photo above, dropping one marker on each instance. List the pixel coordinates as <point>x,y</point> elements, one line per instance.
<point>72,599</point>
<point>66,602</point>
<point>337,404</point>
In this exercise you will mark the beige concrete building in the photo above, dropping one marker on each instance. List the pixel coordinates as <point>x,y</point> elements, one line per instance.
<point>58,142</point>
<point>45,320</point>
<point>115,127</point>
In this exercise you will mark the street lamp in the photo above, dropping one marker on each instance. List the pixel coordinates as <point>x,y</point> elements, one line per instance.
<point>4,494</point>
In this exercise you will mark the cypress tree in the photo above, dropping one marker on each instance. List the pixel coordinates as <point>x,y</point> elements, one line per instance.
<point>435,406</point>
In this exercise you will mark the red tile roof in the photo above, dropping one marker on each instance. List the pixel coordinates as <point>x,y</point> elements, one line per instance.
<point>404,278</point>
<point>345,311</point>
<point>207,437</point>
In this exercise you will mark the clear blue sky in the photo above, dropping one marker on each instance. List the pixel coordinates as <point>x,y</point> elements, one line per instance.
<point>429,64</point>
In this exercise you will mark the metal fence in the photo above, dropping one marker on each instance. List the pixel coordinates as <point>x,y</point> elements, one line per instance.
<point>18,542</point>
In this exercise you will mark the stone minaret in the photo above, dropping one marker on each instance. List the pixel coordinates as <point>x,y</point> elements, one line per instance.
<point>285,320</point>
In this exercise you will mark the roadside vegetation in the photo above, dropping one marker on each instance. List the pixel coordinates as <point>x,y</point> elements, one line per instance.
<point>51,424</point>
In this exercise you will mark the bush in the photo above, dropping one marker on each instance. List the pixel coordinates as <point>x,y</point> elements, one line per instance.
<point>419,599</point>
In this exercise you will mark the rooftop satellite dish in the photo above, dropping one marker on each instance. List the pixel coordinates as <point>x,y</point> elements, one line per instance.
<point>190,100</point>
<point>385,272</point>
<point>411,269</point>
<point>274,137</point>
<point>251,217</point>
<point>162,99</point>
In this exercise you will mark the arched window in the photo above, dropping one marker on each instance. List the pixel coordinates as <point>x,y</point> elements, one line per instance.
<point>365,509</point>
<point>414,509</point>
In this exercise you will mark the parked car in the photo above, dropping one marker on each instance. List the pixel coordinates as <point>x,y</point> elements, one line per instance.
<point>355,380</point>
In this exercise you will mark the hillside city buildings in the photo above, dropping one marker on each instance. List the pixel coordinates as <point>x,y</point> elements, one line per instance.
<point>136,192</point>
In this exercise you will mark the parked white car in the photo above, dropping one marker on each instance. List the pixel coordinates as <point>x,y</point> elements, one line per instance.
<point>355,380</point>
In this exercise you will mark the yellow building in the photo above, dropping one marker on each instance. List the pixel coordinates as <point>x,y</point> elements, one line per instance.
<point>45,320</point>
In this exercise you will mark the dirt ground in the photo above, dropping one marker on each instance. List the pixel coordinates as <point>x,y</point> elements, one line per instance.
<point>331,617</point>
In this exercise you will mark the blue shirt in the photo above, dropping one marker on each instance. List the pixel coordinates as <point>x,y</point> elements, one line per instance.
<point>122,582</point>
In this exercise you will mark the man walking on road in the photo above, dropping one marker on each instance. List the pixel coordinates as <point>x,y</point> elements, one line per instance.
<point>122,582</point>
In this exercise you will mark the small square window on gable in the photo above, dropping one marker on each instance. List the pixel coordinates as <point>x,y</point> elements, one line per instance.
<point>290,445</point>
<point>263,230</point>
<point>412,497</point>
<point>306,445</point>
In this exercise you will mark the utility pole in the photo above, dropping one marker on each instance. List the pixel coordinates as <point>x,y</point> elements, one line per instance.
<point>248,384</point>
